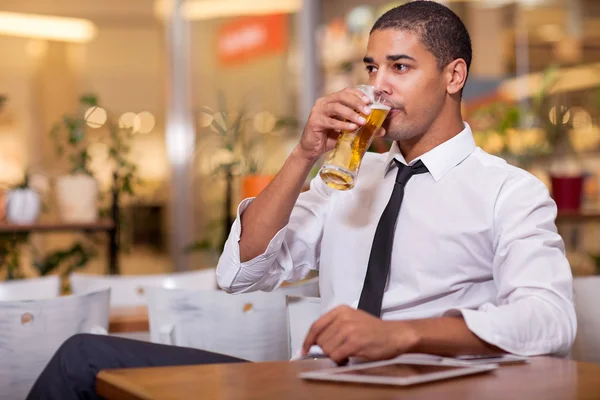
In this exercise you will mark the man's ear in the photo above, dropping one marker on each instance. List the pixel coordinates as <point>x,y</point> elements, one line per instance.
<point>456,73</point>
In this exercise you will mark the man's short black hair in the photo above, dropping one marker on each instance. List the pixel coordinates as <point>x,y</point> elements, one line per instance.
<point>441,31</point>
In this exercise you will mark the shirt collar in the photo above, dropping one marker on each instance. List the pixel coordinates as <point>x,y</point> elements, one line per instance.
<point>442,158</point>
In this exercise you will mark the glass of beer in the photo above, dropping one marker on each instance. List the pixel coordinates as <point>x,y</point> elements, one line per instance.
<point>341,166</point>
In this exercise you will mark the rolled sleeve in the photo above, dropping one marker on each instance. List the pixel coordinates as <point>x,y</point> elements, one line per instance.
<point>229,267</point>
<point>534,312</point>
<point>291,253</point>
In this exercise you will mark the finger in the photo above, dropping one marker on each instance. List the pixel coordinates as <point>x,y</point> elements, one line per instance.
<point>343,352</point>
<point>359,102</point>
<point>358,93</point>
<point>333,346</point>
<point>315,330</point>
<point>337,125</point>
<point>343,113</point>
<point>381,132</point>
<point>331,337</point>
<point>319,326</point>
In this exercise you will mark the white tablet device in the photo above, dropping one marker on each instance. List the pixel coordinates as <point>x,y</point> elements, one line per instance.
<point>397,372</point>
<point>493,359</point>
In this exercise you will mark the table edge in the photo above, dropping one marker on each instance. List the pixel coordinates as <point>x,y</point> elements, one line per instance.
<point>128,326</point>
<point>107,384</point>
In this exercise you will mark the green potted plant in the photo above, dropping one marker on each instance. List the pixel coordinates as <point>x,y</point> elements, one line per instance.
<point>78,191</point>
<point>234,142</point>
<point>23,203</point>
<point>537,132</point>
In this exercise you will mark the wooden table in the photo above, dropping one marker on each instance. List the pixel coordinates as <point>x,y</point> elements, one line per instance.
<point>128,319</point>
<point>544,378</point>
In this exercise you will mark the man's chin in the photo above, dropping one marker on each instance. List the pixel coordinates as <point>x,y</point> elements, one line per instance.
<point>399,133</point>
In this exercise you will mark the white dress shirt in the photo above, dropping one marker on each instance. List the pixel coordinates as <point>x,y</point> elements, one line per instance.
<point>475,236</point>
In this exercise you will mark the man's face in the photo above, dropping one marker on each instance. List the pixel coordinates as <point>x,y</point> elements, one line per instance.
<point>397,62</point>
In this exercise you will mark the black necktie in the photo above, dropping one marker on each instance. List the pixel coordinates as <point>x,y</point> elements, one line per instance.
<point>381,251</point>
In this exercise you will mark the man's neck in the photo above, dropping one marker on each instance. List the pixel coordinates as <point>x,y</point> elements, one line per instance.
<point>436,135</point>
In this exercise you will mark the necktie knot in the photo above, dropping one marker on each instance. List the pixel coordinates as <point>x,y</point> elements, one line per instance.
<point>405,172</point>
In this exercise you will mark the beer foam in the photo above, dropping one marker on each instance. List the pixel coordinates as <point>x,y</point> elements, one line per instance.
<point>379,106</point>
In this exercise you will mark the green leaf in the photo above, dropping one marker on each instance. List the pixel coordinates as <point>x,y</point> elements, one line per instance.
<point>220,128</point>
<point>55,131</point>
<point>512,119</point>
<point>198,246</point>
<point>236,127</point>
<point>127,188</point>
<point>286,122</point>
<point>74,257</point>
<point>89,100</point>
<point>221,101</point>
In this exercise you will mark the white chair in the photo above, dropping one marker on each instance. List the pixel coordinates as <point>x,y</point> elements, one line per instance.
<point>587,298</point>
<point>250,326</point>
<point>129,290</point>
<point>46,287</point>
<point>32,331</point>
<point>307,288</point>
<point>302,312</point>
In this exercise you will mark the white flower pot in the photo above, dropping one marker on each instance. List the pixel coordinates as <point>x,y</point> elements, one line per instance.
<point>77,197</point>
<point>22,206</point>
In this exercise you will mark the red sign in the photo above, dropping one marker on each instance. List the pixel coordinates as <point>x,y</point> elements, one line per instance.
<point>251,37</point>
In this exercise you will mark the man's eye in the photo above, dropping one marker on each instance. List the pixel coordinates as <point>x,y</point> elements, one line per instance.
<point>370,69</point>
<point>401,67</point>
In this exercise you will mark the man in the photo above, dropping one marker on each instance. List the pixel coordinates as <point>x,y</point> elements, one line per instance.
<point>476,263</point>
<point>472,264</point>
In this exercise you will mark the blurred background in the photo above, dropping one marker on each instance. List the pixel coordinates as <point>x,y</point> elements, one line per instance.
<point>171,112</point>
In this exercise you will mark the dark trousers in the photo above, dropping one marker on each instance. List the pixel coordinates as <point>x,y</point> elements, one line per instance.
<point>71,373</point>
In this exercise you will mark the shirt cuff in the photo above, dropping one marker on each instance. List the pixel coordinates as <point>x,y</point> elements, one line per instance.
<point>231,254</point>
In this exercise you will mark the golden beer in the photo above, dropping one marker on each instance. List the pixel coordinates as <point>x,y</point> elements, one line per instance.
<point>342,165</point>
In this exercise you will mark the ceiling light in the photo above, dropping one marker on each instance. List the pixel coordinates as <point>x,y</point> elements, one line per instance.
<point>47,27</point>
<point>210,9</point>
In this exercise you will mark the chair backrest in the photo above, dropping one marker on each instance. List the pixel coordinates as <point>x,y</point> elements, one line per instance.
<point>129,290</point>
<point>307,288</point>
<point>32,331</point>
<point>302,312</point>
<point>250,326</point>
<point>587,297</point>
<point>46,287</point>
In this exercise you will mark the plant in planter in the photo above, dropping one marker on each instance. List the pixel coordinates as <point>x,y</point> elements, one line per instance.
<point>23,208</point>
<point>72,138</point>
<point>237,150</point>
<point>542,132</point>
<point>23,203</point>
<point>82,207</point>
